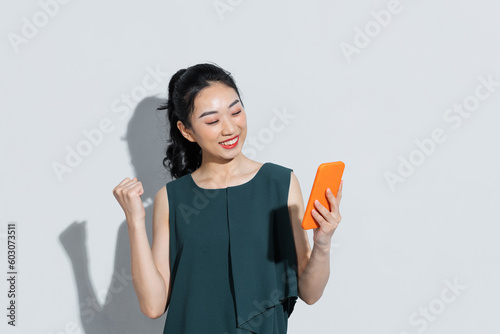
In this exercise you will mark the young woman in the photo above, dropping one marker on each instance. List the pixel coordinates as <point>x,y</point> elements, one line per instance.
<point>229,254</point>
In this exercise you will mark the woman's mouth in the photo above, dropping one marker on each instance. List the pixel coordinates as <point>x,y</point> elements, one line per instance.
<point>230,143</point>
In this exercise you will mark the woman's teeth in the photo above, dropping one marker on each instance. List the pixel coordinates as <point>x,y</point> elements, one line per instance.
<point>230,142</point>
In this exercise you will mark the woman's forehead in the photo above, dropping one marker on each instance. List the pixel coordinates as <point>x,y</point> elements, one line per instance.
<point>214,97</point>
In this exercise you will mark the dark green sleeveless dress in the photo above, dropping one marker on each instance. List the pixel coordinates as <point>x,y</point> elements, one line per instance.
<point>233,262</point>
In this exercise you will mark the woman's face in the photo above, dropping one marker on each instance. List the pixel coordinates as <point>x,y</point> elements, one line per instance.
<point>219,123</point>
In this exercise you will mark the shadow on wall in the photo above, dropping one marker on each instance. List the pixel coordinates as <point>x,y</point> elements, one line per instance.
<point>120,313</point>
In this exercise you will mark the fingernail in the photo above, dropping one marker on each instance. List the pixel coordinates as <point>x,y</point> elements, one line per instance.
<point>329,191</point>
<point>316,202</point>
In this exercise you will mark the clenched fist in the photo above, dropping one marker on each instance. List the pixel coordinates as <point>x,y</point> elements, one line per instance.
<point>128,193</point>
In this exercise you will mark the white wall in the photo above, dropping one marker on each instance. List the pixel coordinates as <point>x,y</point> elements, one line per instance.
<point>360,99</point>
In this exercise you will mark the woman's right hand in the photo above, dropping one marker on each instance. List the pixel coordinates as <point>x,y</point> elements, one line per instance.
<point>128,193</point>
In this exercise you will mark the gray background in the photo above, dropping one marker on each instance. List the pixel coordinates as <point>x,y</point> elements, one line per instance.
<point>398,249</point>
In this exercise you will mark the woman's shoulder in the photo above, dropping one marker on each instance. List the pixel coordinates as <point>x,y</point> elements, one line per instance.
<point>277,173</point>
<point>179,182</point>
<point>275,167</point>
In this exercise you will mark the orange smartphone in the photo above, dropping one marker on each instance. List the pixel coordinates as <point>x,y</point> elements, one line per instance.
<point>329,175</point>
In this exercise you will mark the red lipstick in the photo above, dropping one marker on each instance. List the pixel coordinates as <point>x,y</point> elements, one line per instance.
<point>232,145</point>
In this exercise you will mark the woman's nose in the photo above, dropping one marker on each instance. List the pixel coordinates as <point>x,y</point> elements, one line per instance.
<point>227,126</point>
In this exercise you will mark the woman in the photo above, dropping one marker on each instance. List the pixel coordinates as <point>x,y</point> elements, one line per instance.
<point>229,254</point>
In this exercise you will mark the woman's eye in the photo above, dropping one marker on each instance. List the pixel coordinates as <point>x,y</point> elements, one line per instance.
<point>236,113</point>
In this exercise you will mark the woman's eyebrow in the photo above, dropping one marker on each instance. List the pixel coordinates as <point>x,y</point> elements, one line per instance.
<point>234,102</point>
<point>206,113</point>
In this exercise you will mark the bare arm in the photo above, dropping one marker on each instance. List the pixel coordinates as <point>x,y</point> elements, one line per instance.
<point>150,266</point>
<point>161,244</point>
<point>314,266</point>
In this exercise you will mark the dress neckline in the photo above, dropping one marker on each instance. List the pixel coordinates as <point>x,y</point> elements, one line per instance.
<point>229,187</point>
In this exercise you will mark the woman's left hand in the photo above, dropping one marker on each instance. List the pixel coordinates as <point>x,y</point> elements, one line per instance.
<point>327,220</point>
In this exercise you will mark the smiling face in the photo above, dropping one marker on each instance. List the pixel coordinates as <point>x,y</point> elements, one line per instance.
<point>219,123</point>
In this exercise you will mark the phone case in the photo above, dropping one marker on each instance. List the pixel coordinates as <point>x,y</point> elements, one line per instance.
<point>329,175</point>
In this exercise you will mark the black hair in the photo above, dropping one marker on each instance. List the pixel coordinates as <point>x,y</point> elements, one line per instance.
<point>183,156</point>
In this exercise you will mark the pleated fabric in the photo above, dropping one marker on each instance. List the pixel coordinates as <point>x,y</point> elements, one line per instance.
<point>233,261</point>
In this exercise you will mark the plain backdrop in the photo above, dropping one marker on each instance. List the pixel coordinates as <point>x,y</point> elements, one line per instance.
<point>406,93</point>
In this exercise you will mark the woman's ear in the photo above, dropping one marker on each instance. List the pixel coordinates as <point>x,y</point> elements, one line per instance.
<point>187,133</point>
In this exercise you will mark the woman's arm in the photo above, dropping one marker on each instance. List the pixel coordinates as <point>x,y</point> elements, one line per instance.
<point>150,266</point>
<point>314,266</point>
